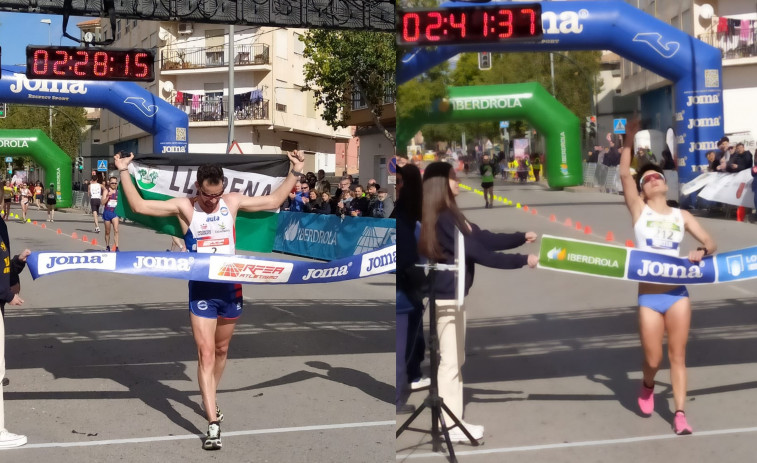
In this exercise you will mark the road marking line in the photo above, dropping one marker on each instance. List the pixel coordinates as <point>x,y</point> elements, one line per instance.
<point>138,440</point>
<point>564,445</point>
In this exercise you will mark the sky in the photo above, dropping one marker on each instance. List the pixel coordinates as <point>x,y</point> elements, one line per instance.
<point>17,30</point>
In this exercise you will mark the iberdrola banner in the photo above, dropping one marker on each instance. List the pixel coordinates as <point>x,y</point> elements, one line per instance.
<point>217,268</point>
<point>603,260</point>
<point>165,176</point>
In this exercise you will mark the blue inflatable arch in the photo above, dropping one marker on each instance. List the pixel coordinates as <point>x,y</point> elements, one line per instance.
<point>166,123</point>
<point>694,67</point>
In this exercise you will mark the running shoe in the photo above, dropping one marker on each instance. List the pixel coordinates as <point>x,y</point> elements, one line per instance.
<point>646,399</point>
<point>97,229</point>
<point>680,424</point>
<point>213,440</point>
<point>456,435</point>
<point>10,440</point>
<point>116,248</point>
<point>107,248</point>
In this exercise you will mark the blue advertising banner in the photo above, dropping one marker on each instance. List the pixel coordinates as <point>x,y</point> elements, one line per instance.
<point>128,100</point>
<point>737,265</point>
<point>660,268</point>
<point>330,237</point>
<point>215,267</point>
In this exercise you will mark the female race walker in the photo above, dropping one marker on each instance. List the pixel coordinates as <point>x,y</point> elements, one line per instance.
<point>440,218</point>
<point>660,228</point>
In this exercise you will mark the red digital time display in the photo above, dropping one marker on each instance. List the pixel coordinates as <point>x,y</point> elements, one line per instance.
<point>76,63</point>
<point>474,24</point>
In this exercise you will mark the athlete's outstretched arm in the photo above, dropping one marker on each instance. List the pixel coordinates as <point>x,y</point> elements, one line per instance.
<point>274,200</point>
<point>630,193</point>
<point>137,203</point>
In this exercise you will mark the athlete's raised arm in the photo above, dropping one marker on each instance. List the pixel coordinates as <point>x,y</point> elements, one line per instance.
<point>630,192</point>
<point>274,200</point>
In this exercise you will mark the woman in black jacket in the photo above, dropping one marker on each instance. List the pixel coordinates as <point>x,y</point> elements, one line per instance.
<point>441,219</point>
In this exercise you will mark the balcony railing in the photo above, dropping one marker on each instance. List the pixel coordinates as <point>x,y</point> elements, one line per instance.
<point>740,43</point>
<point>214,109</point>
<point>197,58</point>
<point>358,101</point>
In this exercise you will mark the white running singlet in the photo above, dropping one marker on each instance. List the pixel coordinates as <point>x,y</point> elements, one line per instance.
<point>95,191</point>
<point>660,233</point>
<point>211,233</point>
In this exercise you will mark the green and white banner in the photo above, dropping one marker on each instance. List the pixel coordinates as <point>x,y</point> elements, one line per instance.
<point>173,175</point>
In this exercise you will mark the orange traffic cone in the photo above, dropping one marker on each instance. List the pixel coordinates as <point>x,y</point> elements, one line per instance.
<point>94,241</point>
<point>629,243</point>
<point>74,235</point>
<point>578,225</point>
<point>610,236</point>
<point>552,218</point>
<point>587,230</point>
<point>84,238</point>
<point>59,232</point>
<point>568,222</point>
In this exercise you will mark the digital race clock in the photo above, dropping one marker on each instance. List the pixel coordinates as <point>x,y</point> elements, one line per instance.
<point>473,24</point>
<point>69,63</point>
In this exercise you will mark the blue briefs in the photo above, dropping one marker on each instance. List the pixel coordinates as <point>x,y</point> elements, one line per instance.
<point>663,301</point>
<point>215,300</point>
<point>109,214</point>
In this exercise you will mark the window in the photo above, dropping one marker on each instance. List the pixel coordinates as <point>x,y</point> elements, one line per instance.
<point>118,29</point>
<point>289,145</point>
<point>214,42</point>
<point>280,42</point>
<point>310,109</point>
<point>299,45</point>
<point>280,94</point>
<point>298,102</point>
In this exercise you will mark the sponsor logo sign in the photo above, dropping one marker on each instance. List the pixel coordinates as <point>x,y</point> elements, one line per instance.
<point>56,262</point>
<point>234,269</point>
<point>171,264</point>
<point>582,257</point>
<point>659,268</point>
<point>321,273</point>
<point>379,261</point>
<point>737,265</point>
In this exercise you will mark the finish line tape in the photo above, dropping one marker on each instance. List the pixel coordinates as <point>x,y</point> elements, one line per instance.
<point>215,267</point>
<point>602,260</point>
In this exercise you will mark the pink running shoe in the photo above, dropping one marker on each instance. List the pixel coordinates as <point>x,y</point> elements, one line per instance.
<point>680,424</point>
<point>646,399</point>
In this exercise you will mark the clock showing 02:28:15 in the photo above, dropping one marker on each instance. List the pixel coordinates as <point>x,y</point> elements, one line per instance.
<point>78,63</point>
<point>469,24</point>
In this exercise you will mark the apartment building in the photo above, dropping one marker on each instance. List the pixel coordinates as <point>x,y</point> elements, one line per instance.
<point>728,25</point>
<point>271,112</point>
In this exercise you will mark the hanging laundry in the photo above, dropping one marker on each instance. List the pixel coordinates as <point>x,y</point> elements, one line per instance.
<point>179,98</point>
<point>256,96</point>
<point>195,101</point>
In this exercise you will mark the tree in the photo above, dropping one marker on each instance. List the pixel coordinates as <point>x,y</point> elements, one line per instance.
<point>342,62</point>
<point>68,122</point>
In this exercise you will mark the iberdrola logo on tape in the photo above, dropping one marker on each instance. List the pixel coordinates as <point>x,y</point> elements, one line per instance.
<point>582,257</point>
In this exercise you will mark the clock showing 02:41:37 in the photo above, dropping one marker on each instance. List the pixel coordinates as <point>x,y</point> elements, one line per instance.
<point>469,24</point>
<point>78,63</point>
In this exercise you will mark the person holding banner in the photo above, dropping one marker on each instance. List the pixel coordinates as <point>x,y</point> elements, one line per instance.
<point>440,219</point>
<point>662,308</point>
<point>208,223</point>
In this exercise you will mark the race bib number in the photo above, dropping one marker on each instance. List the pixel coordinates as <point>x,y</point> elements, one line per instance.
<point>214,246</point>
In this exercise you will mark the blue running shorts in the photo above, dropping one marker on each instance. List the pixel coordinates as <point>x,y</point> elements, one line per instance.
<point>215,300</point>
<point>663,301</point>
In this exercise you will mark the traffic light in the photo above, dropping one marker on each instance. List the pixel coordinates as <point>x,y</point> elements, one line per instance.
<point>484,60</point>
<point>591,126</point>
<point>3,110</point>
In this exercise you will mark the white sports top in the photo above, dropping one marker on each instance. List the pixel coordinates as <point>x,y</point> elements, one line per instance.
<point>95,191</point>
<point>657,232</point>
<point>211,233</point>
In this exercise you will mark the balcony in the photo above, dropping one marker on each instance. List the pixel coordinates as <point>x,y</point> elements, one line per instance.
<point>733,45</point>
<point>203,58</point>
<point>214,109</point>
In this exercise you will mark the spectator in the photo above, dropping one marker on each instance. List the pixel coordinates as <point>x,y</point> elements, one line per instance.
<point>536,163</point>
<point>359,205</point>
<point>739,159</point>
<point>321,176</point>
<point>324,206</point>
<point>343,205</point>
<point>344,186</point>
<point>384,205</point>
<point>314,201</point>
<point>667,160</point>
<point>372,196</point>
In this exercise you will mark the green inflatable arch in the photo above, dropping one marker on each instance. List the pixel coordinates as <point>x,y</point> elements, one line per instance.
<point>35,144</point>
<point>530,102</point>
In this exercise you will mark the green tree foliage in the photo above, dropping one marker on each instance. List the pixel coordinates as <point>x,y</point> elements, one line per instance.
<point>68,122</point>
<point>340,62</point>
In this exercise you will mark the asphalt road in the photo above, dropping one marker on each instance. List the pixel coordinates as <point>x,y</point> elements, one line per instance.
<point>554,362</point>
<point>102,366</point>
